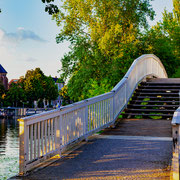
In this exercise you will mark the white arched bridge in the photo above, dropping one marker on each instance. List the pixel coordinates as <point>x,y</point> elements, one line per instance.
<point>127,131</point>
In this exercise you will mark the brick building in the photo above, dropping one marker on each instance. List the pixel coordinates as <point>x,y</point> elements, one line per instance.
<point>3,77</point>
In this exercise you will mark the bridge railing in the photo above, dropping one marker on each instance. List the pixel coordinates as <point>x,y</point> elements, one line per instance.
<point>47,134</point>
<point>176,144</point>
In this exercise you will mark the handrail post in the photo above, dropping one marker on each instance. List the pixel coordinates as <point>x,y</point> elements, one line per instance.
<point>176,144</point>
<point>58,134</point>
<point>23,140</point>
<point>113,104</point>
<point>126,88</point>
<point>86,119</point>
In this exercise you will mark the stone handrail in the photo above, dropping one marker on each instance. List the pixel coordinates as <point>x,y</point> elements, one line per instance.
<point>50,133</point>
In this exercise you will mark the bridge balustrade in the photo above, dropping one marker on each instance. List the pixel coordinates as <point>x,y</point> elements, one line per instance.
<point>45,135</point>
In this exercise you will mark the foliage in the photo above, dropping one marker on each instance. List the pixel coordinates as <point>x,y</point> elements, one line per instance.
<point>109,23</point>
<point>103,36</point>
<point>15,95</point>
<point>64,94</point>
<point>2,89</point>
<point>176,4</point>
<point>2,93</point>
<point>38,86</point>
<point>60,80</point>
<point>177,74</point>
<point>35,86</point>
<point>98,88</point>
<point>50,8</point>
<point>163,40</point>
<point>50,89</point>
<point>106,36</point>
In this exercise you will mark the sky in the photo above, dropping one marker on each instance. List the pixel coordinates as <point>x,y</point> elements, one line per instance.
<point>27,37</point>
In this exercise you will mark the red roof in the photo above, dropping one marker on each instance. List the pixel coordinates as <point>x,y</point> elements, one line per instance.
<point>13,81</point>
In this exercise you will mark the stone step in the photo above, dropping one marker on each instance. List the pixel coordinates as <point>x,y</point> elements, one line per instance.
<point>159,90</point>
<point>155,97</point>
<point>152,105</point>
<point>156,94</point>
<point>151,110</point>
<point>155,102</point>
<point>158,87</point>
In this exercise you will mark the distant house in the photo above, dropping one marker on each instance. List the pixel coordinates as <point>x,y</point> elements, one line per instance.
<point>58,101</point>
<point>60,85</point>
<point>3,77</point>
<point>12,81</point>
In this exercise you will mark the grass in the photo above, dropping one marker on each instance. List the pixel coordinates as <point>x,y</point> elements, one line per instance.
<point>138,117</point>
<point>145,103</point>
<point>156,117</point>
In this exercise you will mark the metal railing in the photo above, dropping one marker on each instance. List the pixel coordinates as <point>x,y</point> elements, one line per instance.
<point>47,134</point>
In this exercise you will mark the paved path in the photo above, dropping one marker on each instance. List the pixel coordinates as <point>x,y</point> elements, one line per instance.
<point>136,149</point>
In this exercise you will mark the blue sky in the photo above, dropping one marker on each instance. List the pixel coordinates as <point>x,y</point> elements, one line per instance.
<point>27,36</point>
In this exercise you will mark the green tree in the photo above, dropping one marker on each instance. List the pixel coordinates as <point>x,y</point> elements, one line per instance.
<point>176,4</point>
<point>163,40</point>
<point>103,36</point>
<point>33,85</point>
<point>38,86</point>
<point>2,89</point>
<point>50,7</point>
<point>16,95</point>
<point>50,89</point>
<point>2,92</point>
<point>108,23</point>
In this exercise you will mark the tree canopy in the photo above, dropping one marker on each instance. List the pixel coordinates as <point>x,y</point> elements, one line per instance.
<point>38,86</point>
<point>2,91</point>
<point>106,36</point>
<point>163,40</point>
<point>34,86</point>
<point>103,36</point>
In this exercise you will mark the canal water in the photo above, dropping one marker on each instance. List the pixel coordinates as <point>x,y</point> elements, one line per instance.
<point>9,148</point>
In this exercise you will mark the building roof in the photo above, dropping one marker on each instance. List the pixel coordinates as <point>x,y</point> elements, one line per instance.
<point>13,81</point>
<point>55,79</point>
<point>2,70</point>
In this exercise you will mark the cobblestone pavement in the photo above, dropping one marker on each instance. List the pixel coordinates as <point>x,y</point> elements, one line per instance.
<point>116,157</point>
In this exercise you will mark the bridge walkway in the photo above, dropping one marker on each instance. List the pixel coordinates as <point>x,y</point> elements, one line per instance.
<point>134,149</point>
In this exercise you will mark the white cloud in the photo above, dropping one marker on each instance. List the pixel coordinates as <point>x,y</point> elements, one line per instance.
<point>20,35</point>
<point>31,59</point>
<point>19,53</point>
<point>20,28</point>
<point>13,56</point>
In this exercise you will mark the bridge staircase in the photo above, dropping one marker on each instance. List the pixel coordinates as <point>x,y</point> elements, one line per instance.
<point>155,99</point>
<point>142,144</point>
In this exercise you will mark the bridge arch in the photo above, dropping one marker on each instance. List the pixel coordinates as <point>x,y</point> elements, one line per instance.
<point>147,65</point>
<point>50,133</point>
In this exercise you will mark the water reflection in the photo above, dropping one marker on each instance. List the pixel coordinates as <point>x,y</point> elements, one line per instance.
<point>9,148</point>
